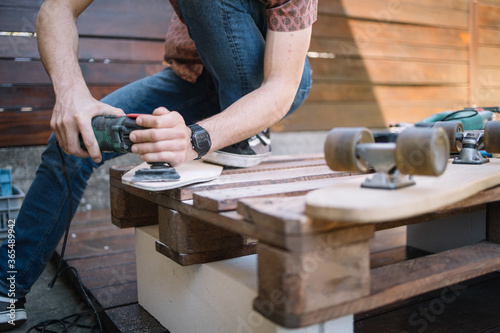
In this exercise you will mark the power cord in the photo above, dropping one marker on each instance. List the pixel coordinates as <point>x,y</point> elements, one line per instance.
<point>65,322</point>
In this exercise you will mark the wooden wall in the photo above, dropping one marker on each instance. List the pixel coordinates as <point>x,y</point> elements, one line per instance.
<point>120,41</point>
<point>375,62</point>
<point>386,61</point>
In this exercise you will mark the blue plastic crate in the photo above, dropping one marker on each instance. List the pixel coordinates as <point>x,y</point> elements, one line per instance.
<point>9,208</point>
<point>5,182</point>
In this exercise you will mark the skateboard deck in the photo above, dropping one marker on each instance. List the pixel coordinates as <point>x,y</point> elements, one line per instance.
<point>190,173</point>
<point>347,201</point>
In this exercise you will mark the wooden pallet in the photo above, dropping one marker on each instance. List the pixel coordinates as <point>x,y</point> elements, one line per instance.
<point>309,270</point>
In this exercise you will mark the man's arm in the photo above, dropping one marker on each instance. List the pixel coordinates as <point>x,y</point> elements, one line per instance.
<point>75,107</point>
<point>284,59</point>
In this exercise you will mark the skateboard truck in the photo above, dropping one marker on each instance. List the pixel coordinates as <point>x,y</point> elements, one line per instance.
<point>468,143</point>
<point>157,172</point>
<point>417,151</point>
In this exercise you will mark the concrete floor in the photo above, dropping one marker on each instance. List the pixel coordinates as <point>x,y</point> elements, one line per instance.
<point>43,303</point>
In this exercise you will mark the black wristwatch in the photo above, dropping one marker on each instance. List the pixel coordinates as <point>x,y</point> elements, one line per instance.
<point>200,139</point>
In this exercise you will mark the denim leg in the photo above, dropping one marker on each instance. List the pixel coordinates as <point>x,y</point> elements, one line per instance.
<point>230,38</point>
<point>41,221</point>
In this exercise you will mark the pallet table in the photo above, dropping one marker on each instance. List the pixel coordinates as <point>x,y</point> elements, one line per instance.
<point>309,271</point>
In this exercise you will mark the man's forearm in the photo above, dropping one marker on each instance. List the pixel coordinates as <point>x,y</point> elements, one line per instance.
<point>283,67</point>
<point>58,44</point>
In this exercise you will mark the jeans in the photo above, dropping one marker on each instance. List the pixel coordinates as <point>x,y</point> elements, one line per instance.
<point>230,40</point>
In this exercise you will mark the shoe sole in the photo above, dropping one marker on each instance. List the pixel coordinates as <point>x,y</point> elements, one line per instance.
<point>20,318</point>
<point>234,160</point>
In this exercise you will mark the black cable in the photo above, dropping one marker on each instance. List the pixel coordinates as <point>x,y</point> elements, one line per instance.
<point>450,116</point>
<point>43,326</point>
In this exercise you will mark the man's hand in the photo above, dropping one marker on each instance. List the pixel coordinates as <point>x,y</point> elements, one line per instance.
<point>72,115</point>
<point>168,139</point>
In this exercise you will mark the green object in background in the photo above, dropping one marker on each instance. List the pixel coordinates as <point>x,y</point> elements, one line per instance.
<point>471,118</point>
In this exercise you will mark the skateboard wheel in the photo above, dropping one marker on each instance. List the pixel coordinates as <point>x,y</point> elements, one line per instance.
<point>340,148</point>
<point>492,137</point>
<point>422,151</point>
<point>451,128</point>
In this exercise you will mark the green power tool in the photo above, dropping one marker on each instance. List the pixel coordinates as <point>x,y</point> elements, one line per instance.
<point>113,133</point>
<point>113,136</point>
<point>471,118</point>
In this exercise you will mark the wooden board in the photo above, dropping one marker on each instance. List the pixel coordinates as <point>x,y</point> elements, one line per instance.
<point>346,201</point>
<point>190,172</point>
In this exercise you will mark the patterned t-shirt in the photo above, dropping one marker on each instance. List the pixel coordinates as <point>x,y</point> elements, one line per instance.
<point>282,15</point>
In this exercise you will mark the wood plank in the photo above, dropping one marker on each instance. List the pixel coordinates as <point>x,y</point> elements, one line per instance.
<point>331,274</point>
<point>227,199</point>
<point>325,91</point>
<point>102,18</point>
<point>406,279</point>
<point>128,210</point>
<point>382,71</point>
<point>487,15</point>
<point>488,36</point>
<point>41,97</point>
<point>98,242</point>
<point>38,128</point>
<point>33,72</point>
<point>187,235</point>
<point>325,116</point>
<point>239,180</point>
<point>488,56</point>
<point>403,12</point>
<point>89,48</point>
<point>348,48</point>
<point>287,215</point>
<point>363,33</point>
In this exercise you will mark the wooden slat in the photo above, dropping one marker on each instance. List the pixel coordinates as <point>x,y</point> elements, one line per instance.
<point>489,36</point>
<point>15,128</point>
<point>361,31</point>
<point>227,199</point>
<point>345,48</point>
<point>239,180</point>
<point>122,50</point>
<point>488,15</point>
<point>387,71</point>
<point>403,12</point>
<point>350,92</point>
<point>325,116</point>
<point>149,19</point>
<point>33,72</point>
<point>41,97</point>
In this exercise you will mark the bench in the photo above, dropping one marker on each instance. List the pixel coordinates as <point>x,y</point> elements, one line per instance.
<point>307,273</point>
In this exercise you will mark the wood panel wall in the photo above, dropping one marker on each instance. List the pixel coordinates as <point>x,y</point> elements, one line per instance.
<point>382,62</point>
<point>375,62</point>
<point>120,41</point>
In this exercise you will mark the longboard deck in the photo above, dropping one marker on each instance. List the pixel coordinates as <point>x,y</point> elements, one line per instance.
<point>346,201</point>
<point>190,172</point>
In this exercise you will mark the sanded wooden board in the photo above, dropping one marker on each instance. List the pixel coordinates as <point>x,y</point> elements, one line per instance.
<point>190,172</point>
<point>227,199</point>
<point>346,201</point>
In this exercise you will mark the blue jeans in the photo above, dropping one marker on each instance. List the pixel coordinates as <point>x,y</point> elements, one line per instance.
<point>230,40</point>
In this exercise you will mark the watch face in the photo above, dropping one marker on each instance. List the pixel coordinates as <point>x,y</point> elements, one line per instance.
<point>200,140</point>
